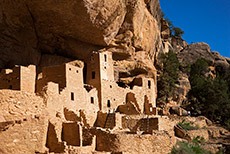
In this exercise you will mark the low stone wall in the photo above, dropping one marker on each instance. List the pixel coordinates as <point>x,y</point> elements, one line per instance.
<point>158,143</point>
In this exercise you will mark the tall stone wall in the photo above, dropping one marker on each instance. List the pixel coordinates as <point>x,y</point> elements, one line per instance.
<point>28,78</point>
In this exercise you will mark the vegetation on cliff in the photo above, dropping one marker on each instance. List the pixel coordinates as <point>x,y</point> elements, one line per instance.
<point>168,77</point>
<point>210,95</point>
<point>194,147</point>
<point>174,31</point>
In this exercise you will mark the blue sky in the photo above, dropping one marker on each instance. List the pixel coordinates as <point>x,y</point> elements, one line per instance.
<point>202,21</point>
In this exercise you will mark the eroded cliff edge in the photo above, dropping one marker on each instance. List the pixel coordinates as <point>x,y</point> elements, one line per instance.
<point>34,32</point>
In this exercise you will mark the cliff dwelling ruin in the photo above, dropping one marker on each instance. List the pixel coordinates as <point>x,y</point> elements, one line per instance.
<point>87,100</point>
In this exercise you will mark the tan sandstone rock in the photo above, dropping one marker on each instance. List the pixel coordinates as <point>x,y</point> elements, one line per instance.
<point>26,123</point>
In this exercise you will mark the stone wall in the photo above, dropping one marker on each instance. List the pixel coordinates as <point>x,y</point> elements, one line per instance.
<point>19,78</point>
<point>28,78</point>
<point>56,74</point>
<point>62,87</point>
<point>121,143</point>
<point>122,95</point>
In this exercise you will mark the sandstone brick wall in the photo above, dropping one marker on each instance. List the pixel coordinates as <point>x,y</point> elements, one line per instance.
<point>116,95</point>
<point>134,144</point>
<point>140,123</point>
<point>93,76</point>
<point>28,78</point>
<point>106,66</point>
<point>100,74</point>
<point>19,78</point>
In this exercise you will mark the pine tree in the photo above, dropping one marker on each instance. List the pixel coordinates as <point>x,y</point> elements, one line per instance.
<point>169,75</point>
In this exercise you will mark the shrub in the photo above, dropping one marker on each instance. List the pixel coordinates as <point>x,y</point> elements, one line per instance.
<point>192,148</point>
<point>187,125</point>
<point>177,31</point>
<point>174,31</point>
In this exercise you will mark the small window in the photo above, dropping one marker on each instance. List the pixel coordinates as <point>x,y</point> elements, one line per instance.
<point>76,71</point>
<point>92,100</point>
<point>91,58</point>
<point>72,96</point>
<point>105,67</point>
<point>111,86</point>
<point>108,103</point>
<point>70,69</point>
<point>93,75</point>
<point>105,58</point>
<point>149,84</point>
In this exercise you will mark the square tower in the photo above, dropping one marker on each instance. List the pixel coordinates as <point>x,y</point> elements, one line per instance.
<point>99,69</point>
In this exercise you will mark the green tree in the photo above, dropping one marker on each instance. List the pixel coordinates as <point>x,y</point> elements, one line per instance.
<point>174,31</point>
<point>177,31</point>
<point>212,95</point>
<point>169,75</point>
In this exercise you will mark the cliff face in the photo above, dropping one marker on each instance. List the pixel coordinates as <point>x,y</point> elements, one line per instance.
<point>57,119</point>
<point>30,29</point>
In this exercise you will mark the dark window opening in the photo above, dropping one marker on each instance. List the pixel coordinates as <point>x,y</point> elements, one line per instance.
<point>11,87</point>
<point>105,67</point>
<point>85,72</point>
<point>122,85</point>
<point>76,71</point>
<point>72,96</point>
<point>108,103</point>
<point>111,86</point>
<point>149,84</point>
<point>93,75</point>
<point>105,58</point>
<point>70,69</point>
<point>92,100</point>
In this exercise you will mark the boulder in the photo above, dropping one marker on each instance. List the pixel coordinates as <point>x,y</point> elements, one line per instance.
<point>195,51</point>
<point>182,88</point>
<point>199,132</point>
<point>178,44</point>
<point>221,63</point>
